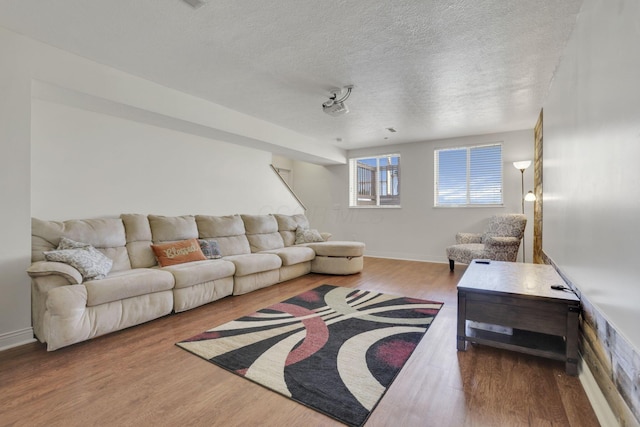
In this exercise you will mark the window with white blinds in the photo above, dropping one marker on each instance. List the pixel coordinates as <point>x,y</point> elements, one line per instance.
<point>375,181</point>
<point>468,176</point>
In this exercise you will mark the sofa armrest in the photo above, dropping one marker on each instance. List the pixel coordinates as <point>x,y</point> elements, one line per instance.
<point>501,242</point>
<point>66,320</point>
<point>48,268</point>
<point>462,238</point>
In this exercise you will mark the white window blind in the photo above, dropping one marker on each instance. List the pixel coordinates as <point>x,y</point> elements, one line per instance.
<point>468,176</point>
<point>375,181</point>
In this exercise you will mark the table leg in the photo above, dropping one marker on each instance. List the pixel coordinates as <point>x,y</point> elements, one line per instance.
<point>572,340</point>
<point>462,321</point>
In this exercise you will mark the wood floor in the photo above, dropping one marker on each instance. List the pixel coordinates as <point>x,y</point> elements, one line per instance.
<point>138,377</point>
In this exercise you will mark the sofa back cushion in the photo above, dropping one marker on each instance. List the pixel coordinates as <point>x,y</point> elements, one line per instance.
<point>262,232</point>
<point>227,230</point>
<point>105,234</point>
<point>139,240</point>
<point>287,225</point>
<point>172,228</point>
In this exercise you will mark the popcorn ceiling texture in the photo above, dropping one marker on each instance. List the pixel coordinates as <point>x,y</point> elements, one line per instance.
<point>429,69</point>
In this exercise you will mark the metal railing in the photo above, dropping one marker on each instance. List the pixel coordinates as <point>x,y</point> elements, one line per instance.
<point>286,184</point>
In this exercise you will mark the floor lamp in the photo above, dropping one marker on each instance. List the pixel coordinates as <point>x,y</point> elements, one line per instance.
<point>530,197</point>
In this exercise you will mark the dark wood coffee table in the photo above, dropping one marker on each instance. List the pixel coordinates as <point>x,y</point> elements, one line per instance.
<point>518,296</point>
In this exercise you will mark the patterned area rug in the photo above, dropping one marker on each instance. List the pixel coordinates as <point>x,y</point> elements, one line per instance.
<point>333,349</point>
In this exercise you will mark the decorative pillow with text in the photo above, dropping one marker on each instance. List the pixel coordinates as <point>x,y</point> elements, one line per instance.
<point>178,252</point>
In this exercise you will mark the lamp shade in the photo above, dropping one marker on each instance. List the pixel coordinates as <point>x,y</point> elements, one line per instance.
<point>523,164</point>
<point>530,197</point>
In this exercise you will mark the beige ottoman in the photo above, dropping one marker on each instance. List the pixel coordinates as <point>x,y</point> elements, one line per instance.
<point>337,257</point>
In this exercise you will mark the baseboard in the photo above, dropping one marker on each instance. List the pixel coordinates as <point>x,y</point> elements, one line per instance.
<point>405,257</point>
<point>603,411</point>
<point>15,338</point>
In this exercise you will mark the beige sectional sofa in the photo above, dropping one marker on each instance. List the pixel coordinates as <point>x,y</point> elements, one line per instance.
<point>256,251</point>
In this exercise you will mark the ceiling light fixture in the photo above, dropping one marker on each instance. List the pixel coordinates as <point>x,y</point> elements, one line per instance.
<point>196,3</point>
<point>336,107</point>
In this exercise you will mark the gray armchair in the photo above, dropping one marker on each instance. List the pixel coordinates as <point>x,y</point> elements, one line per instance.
<point>499,242</point>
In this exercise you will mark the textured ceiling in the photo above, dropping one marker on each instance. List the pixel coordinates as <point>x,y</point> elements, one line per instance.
<point>430,69</point>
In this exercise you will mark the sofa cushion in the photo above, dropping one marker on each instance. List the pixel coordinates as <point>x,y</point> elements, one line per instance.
<point>262,232</point>
<point>105,234</point>
<point>337,248</point>
<point>227,230</point>
<point>139,240</point>
<point>195,273</point>
<point>287,225</point>
<point>172,228</point>
<point>173,253</point>
<point>254,263</point>
<point>128,284</point>
<point>293,254</point>
<point>337,265</point>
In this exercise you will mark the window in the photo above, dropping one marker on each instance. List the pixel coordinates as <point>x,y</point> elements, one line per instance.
<point>375,181</point>
<point>468,176</point>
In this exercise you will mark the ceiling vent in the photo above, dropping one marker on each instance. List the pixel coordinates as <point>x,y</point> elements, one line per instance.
<point>336,107</point>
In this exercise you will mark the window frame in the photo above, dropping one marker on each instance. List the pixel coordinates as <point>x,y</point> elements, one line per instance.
<point>353,182</point>
<point>468,203</point>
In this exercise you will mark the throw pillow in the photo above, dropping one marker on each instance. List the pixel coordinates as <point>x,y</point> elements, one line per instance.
<point>307,236</point>
<point>210,248</point>
<point>178,252</point>
<point>66,243</point>
<point>326,236</point>
<point>90,262</point>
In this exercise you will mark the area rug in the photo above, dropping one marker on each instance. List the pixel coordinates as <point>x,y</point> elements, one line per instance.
<point>333,349</point>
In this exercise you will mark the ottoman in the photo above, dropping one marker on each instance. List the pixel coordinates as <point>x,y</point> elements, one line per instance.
<point>337,257</point>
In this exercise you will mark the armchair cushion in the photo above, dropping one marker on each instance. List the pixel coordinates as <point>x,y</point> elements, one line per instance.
<point>466,252</point>
<point>501,241</point>
<point>468,238</point>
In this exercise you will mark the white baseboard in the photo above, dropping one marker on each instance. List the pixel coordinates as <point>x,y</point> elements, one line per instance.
<point>404,257</point>
<point>15,338</point>
<point>603,411</point>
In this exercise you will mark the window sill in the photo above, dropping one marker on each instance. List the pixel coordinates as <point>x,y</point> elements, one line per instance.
<point>376,207</point>
<point>468,206</point>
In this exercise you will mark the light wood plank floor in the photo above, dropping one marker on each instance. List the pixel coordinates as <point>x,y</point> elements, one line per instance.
<point>138,377</point>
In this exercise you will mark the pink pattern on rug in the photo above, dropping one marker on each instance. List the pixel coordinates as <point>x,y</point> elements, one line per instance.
<point>309,296</point>
<point>317,332</point>
<point>395,352</point>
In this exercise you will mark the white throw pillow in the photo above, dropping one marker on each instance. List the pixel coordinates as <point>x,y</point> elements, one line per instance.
<point>90,262</point>
<point>307,236</point>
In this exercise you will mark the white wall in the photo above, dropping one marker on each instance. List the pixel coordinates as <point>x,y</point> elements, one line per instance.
<point>15,226</point>
<point>417,230</point>
<point>105,142</point>
<point>591,152</point>
<point>86,164</point>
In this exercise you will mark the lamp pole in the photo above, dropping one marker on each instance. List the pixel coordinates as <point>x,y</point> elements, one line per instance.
<point>522,197</point>
<point>521,166</point>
